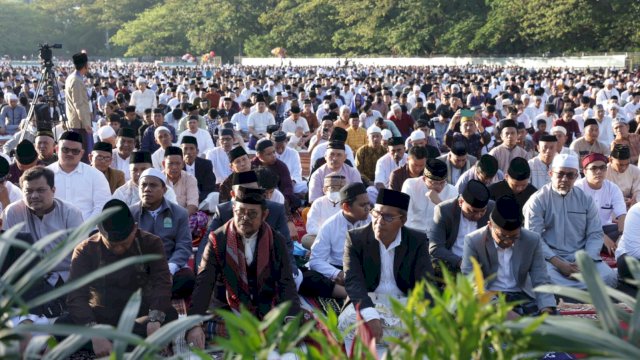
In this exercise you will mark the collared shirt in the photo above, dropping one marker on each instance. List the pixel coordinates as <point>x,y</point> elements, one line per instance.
<point>328,248</point>
<point>292,159</point>
<point>629,242</point>
<point>608,199</point>
<point>240,122</point>
<point>539,172</point>
<point>190,169</point>
<point>317,179</point>
<point>130,194</point>
<point>121,164</point>
<point>220,160</point>
<point>471,175</point>
<point>367,157</point>
<point>250,247</point>
<point>384,166</point>
<point>356,138</point>
<point>504,155</point>
<point>259,121</point>
<point>186,189</point>
<point>582,147</point>
<point>388,285</point>
<point>465,227</point>
<point>321,210</point>
<point>202,137</point>
<point>85,187</point>
<point>15,194</point>
<point>289,125</point>
<point>420,213</point>
<point>504,280</point>
<point>319,151</point>
<point>143,100</point>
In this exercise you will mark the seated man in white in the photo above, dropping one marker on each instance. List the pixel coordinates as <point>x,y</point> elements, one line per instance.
<point>324,207</point>
<point>426,192</point>
<point>328,249</point>
<point>568,221</point>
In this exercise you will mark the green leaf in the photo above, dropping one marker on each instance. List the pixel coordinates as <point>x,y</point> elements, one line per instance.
<point>159,339</point>
<point>67,347</point>
<point>127,321</point>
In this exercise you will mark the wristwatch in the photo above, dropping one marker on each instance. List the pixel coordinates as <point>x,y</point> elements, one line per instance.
<point>156,316</point>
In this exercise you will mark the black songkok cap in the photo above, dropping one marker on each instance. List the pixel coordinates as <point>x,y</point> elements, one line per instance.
<point>236,153</point>
<point>279,136</point>
<point>548,138</point>
<point>506,213</point>
<point>72,136</point>
<point>117,226</point>
<point>339,134</point>
<point>519,169</point>
<point>4,167</point>
<point>476,194</point>
<point>295,110</point>
<point>337,145</point>
<point>621,152</point>
<point>245,177</point>
<point>272,128</point>
<point>352,190</point>
<point>102,146</point>
<point>45,132</point>
<point>140,157</point>
<point>247,195</point>
<point>263,144</point>
<point>590,122</point>
<point>129,109</point>
<point>157,111</point>
<point>80,59</point>
<point>189,140</point>
<point>127,132</point>
<point>432,151</point>
<point>396,140</point>
<point>507,123</point>
<point>488,165</point>
<point>393,198</point>
<point>435,169</point>
<point>459,148</point>
<point>172,150</point>
<point>26,152</point>
<point>226,132</point>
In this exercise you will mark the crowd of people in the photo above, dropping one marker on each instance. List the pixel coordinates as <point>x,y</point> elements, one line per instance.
<point>410,170</point>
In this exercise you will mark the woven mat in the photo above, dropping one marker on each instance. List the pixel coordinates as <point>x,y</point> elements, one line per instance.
<point>586,311</point>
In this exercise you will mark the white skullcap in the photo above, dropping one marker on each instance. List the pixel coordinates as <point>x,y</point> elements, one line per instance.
<point>141,80</point>
<point>362,91</point>
<point>416,87</point>
<point>525,97</point>
<point>395,107</point>
<point>386,134</point>
<point>506,102</point>
<point>629,83</point>
<point>13,97</point>
<point>565,161</point>
<point>608,82</point>
<point>159,129</point>
<point>373,130</point>
<point>417,135</point>
<point>155,173</point>
<point>558,128</point>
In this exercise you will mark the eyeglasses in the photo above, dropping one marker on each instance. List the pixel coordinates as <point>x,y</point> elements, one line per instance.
<point>386,217</point>
<point>597,168</point>
<point>103,158</point>
<point>66,150</point>
<point>568,175</point>
<point>250,214</point>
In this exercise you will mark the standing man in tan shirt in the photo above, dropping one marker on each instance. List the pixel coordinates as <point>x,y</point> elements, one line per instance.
<point>77,105</point>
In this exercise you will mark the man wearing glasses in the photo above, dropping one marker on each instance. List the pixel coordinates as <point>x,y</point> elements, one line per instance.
<point>383,260</point>
<point>76,182</point>
<point>509,256</point>
<point>101,157</point>
<point>568,221</point>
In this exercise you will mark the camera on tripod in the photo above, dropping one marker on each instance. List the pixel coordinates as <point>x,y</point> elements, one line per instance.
<point>46,54</point>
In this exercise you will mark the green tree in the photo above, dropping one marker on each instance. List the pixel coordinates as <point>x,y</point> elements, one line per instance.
<point>23,27</point>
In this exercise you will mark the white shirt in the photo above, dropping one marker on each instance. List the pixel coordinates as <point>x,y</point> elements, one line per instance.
<point>385,166</point>
<point>157,157</point>
<point>190,169</point>
<point>539,172</point>
<point>367,120</point>
<point>420,213</point>
<point>277,197</point>
<point>250,247</point>
<point>143,100</point>
<point>240,121</point>
<point>202,137</point>
<point>259,121</point>
<point>504,280</point>
<point>121,164</point>
<point>291,157</point>
<point>321,210</point>
<point>606,130</point>
<point>609,200</point>
<point>328,248</point>
<point>465,227</point>
<point>629,243</point>
<point>220,161</point>
<point>605,94</point>
<point>130,194</point>
<point>387,283</point>
<point>85,187</point>
<point>289,126</point>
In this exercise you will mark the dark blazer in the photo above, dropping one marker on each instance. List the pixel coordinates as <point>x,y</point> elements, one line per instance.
<point>362,263</point>
<point>527,262</point>
<point>471,160</point>
<point>279,285</point>
<point>443,234</point>
<point>276,219</point>
<point>204,175</point>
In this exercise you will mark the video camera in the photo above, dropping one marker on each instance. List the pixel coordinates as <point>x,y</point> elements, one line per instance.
<point>46,54</point>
